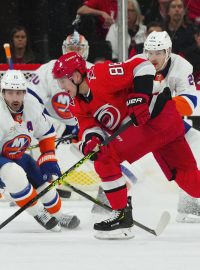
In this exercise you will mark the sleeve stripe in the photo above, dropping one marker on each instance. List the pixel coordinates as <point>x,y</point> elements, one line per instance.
<point>191,99</point>
<point>35,95</point>
<point>97,130</point>
<point>145,68</point>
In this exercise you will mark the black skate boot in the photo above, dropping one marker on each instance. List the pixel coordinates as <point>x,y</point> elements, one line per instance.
<point>47,221</point>
<point>118,226</point>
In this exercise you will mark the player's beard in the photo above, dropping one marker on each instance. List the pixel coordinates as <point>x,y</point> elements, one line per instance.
<point>15,106</point>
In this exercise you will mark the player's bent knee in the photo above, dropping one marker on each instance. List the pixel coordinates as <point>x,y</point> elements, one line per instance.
<point>14,177</point>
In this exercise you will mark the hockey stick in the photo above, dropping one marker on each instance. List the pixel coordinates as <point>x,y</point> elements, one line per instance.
<point>60,140</point>
<point>8,55</point>
<point>61,179</point>
<point>162,224</point>
<point>74,149</point>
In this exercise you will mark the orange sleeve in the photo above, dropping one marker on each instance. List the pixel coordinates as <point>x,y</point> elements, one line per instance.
<point>182,106</point>
<point>47,145</point>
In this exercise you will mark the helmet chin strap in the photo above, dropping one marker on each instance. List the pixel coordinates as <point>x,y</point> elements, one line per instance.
<point>168,53</point>
<point>13,112</point>
<point>78,86</point>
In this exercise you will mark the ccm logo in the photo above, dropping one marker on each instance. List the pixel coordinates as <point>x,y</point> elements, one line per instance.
<point>134,101</point>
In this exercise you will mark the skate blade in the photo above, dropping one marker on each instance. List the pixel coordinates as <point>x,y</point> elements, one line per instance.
<point>119,234</point>
<point>187,218</point>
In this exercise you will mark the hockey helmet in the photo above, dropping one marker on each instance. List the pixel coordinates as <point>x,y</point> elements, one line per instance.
<point>158,41</point>
<point>67,64</point>
<point>13,80</point>
<point>76,42</point>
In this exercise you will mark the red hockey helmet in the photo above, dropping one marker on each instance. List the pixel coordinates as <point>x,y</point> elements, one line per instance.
<point>67,64</point>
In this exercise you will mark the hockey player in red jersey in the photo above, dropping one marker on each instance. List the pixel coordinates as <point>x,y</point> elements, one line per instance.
<point>106,97</point>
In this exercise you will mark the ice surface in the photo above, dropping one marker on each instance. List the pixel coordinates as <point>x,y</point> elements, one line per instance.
<point>24,244</point>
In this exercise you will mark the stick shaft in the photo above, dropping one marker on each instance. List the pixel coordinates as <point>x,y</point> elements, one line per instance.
<point>8,55</point>
<point>61,179</point>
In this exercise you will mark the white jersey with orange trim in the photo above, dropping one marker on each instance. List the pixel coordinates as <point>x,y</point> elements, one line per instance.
<point>54,100</point>
<point>16,135</point>
<point>179,78</point>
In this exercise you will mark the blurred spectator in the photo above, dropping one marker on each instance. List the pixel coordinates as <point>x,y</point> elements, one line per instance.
<point>153,26</point>
<point>178,26</point>
<point>192,54</point>
<point>105,10</point>
<point>100,51</point>
<point>157,11</point>
<point>193,10</point>
<point>21,51</point>
<point>136,29</point>
<point>145,5</point>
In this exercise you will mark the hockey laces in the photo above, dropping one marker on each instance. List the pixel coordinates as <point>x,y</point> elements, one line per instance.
<point>65,219</point>
<point>43,216</point>
<point>115,214</point>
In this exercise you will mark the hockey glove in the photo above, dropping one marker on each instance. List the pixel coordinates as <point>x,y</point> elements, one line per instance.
<point>138,108</point>
<point>48,165</point>
<point>92,143</point>
<point>69,130</point>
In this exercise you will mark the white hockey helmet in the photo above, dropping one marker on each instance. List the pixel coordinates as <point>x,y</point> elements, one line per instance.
<point>76,42</point>
<point>157,41</point>
<point>13,80</point>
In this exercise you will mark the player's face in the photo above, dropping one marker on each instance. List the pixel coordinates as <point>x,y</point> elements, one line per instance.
<point>14,99</point>
<point>68,86</point>
<point>157,58</point>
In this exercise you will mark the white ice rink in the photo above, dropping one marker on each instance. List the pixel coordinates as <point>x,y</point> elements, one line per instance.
<point>24,244</point>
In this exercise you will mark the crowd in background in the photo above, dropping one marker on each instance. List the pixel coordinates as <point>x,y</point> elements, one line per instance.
<point>36,29</point>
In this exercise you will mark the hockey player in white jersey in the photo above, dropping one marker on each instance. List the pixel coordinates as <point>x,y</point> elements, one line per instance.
<point>22,120</point>
<point>175,72</point>
<point>45,88</point>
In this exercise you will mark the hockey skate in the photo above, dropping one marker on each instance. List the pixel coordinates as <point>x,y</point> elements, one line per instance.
<point>47,221</point>
<point>118,226</point>
<point>188,209</point>
<point>68,221</point>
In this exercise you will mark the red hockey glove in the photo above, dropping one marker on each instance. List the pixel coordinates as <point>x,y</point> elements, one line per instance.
<point>92,144</point>
<point>138,108</point>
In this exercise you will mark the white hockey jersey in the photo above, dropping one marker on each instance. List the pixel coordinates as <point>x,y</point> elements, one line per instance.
<point>180,80</point>
<point>54,100</point>
<point>15,136</point>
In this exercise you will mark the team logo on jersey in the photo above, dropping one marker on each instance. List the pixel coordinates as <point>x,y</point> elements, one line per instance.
<point>15,148</point>
<point>60,103</point>
<point>90,74</point>
<point>108,116</point>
